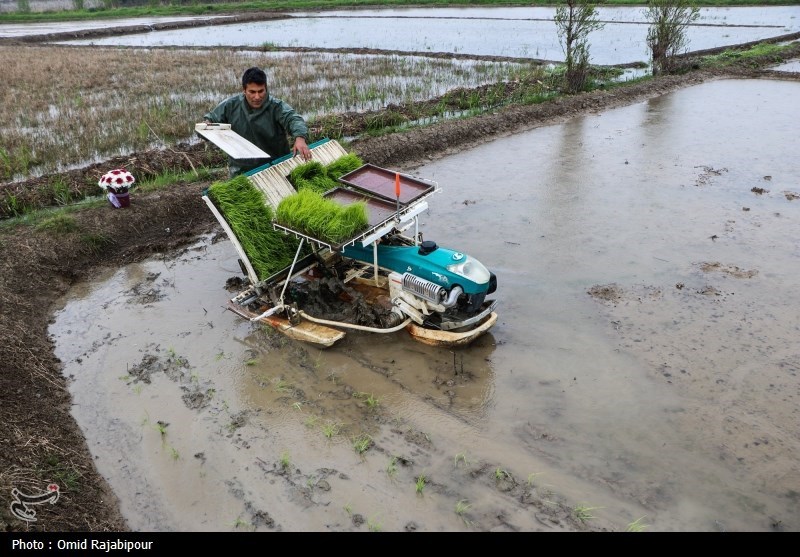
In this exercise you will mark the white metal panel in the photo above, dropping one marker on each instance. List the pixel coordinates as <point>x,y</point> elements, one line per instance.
<point>251,273</point>
<point>229,141</point>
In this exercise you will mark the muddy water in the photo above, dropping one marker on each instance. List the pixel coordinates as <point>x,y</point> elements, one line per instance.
<point>644,364</point>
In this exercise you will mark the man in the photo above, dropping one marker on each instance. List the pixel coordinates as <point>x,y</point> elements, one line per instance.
<point>262,120</point>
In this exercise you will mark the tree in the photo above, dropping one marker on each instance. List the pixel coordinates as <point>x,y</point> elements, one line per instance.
<point>666,36</point>
<point>575,19</point>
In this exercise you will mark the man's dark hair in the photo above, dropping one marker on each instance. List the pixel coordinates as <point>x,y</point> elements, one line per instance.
<point>254,75</point>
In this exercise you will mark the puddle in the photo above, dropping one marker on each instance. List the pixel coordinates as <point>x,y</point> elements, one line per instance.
<point>792,66</point>
<point>513,32</point>
<point>645,361</point>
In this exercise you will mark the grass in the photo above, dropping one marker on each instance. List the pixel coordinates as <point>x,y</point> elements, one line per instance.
<point>362,443</point>
<point>283,386</point>
<point>150,9</point>
<point>315,176</point>
<point>60,191</point>
<point>532,478</point>
<point>460,457</point>
<point>161,427</point>
<point>462,506</point>
<point>369,399</point>
<point>637,525</point>
<point>63,473</point>
<point>373,525</point>
<point>95,242</point>
<point>240,523</point>
<point>331,429</point>
<point>737,55</point>
<point>420,484</point>
<point>36,143</point>
<point>285,461</point>
<point>584,513</point>
<point>60,223</point>
<point>500,474</point>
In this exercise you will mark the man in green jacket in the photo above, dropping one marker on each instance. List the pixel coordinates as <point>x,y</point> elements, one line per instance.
<point>263,120</point>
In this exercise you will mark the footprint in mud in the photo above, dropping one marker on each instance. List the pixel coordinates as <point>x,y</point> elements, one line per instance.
<point>708,172</point>
<point>146,292</point>
<point>615,293</point>
<point>606,292</point>
<point>731,270</point>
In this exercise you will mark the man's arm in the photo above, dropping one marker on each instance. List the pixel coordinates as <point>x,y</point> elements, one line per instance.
<point>218,115</point>
<point>297,128</point>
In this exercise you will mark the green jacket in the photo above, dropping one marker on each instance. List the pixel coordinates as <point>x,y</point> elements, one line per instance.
<point>266,127</point>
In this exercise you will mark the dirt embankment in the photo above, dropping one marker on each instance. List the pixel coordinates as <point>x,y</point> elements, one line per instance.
<point>41,441</point>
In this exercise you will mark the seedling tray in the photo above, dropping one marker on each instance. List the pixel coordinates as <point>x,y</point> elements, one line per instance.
<point>380,183</point>
<point>378,210</point>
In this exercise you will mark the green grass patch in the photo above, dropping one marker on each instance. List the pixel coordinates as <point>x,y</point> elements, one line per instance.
<point>731,56</point>
<point>171,177</point>
<point>95,242</point>
<point>59,471</point>
<point>60,223</point>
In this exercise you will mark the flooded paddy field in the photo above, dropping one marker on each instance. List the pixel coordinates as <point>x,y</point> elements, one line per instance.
<point>508,32</point>
<point>644,364</point>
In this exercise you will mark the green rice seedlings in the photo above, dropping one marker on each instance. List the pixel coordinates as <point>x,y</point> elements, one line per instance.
<point>312,175</point>
<point>362,443</point>
<point>350,220</point>
<point>462,506</point>
<point>421,481</point>
<point>309,176</point>
<point>250,218</point>
<point>637,525</point>
<point>584,513</point>
<point>312,214</point>
<point>343,165</point>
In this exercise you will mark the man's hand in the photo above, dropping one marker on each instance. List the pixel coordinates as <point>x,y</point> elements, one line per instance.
<point>300,148</point>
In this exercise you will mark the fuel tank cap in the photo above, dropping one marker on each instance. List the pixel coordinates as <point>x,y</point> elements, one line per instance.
<point>428,246</point>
